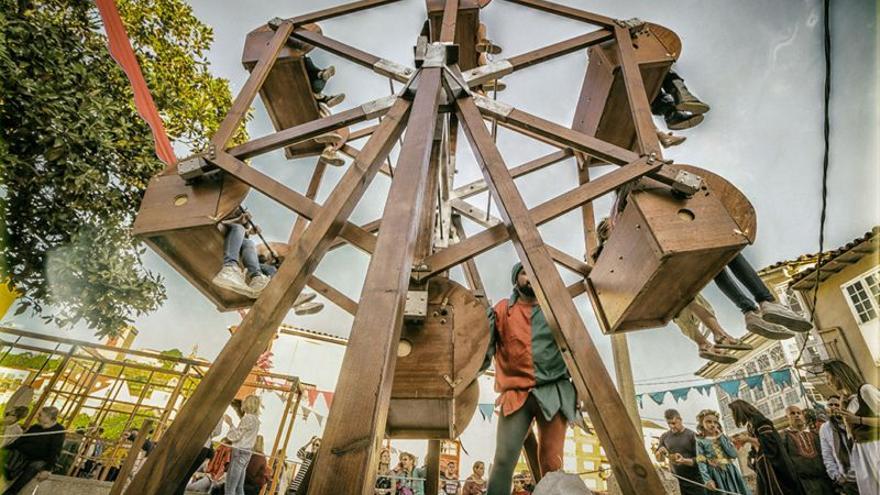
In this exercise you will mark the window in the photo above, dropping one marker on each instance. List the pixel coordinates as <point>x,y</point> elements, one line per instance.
<point>777,356</point>
<point>758,392</point>
<point>792,397</point>
<point>764,408</point>
<point>763,362</point>
<point>864,296</point>
<point>790,298</point>
<point>777,405</point>
<point>751,369</point>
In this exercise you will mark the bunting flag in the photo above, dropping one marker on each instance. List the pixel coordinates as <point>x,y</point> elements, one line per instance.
<point>639,399</point>
<point>122,53</point>
<point>658,396</point>
<point>305,412</point>
<point>486,411</point>
<point>754,382</point>
<point>704,389</point>
<point>680,393</point>
<point>312,396</point>
<point>730,387</point>
<point>328,398</point>
<point>320,419</point>
<point>781,378</point>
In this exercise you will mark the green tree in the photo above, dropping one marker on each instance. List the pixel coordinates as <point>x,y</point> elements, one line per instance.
<point>76,157</point>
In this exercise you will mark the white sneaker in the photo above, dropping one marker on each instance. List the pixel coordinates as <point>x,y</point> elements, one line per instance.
<point>304,297</point>
<point>257,284</point>
<point>781,315</point>
<point>308,308</point>
<point>230,277</point>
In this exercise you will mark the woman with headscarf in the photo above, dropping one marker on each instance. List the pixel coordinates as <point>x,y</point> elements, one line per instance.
<point>768,458</point>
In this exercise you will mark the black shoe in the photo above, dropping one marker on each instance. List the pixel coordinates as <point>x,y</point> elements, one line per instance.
<point>685,101</point>
<point>677,120</point>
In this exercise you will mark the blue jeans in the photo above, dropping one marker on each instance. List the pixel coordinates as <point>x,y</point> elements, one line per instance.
<point>747,276</point>
<point>236,245</point>
<point>235,473</point>
<point>313,70</point>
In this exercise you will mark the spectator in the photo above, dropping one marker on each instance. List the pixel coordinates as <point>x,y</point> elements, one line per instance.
<point>475,483</point>
<point>258,473</point>
<point>836,446</point>
<point>528,482</point>
<point>699,312</point>
<point>242,437</point>
<point>776,473</point>
<point>408,479</point>
<point>383,474</point>
<point>716,456</point>
<point>679,445</point>
<point>36,451</point>
<point>803,447</point>
<point>519,485</point>
<point>306,454</point>
<point>861,413</point>
<point>11,424</point>
<point>449,484</point>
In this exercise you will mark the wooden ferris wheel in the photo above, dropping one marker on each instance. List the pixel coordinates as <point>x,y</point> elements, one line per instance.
<point>679,228</point>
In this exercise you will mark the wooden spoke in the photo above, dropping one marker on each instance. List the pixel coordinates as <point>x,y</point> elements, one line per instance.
<point>479,186</point>
<point>622,443</point>
<point>639,106</point>
<point>566,11</point>
<point>330,292</point>
<point>380,66</point>
<point>246,96</point>
<point>349,451</point>
<point>339,10</point>
<point>204,409</point>
<point>555,50</point>
<point>447,26</point>
<point>312,129</point>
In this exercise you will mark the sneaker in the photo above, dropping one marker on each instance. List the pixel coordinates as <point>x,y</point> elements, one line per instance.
<point>487,46</point>
<point>331,157</point>
<point>685,100</point>
<point>678,120</point>
<point>759,326</point>
<point>329,138</point>
<point>732,344</point>
<point>258,283</point>
<point>333,100</point>
<point>230,278</point>
<point>776,313</point>
<point>304,297</point>
<point>308,308</point>
<point>495,84</point>
<point>327,73</point>
<point>668,139</point>
<point>710,354</point>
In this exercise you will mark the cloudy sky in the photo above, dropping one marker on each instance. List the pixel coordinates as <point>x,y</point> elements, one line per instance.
<point>758,63</point>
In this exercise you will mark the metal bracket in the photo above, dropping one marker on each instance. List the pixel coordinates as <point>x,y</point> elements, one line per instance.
<point>197,165</point>
<point>373,108</point>
<point>452,383</point>
<point>489,72</point>
<point>686,183</point>
<point>494,107</point>
<point>416,307</point>
<point>393,70</point>
<point>457,87</point>
<point>634,25</point>
<point>435,54</point>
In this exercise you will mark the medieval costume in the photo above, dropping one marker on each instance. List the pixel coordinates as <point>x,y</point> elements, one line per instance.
<point>776,472</point>
<point>717,461</point>
<point>533,383</point>
<point>865,457</point>
<point>805,451</point>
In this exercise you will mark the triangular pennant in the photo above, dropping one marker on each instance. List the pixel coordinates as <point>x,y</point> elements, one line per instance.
<point>680,394</point>
<point>305,412</point>
<point>312,396</point>
<point>639,398</point>
<point>658,396</point>
<point>486,411</point>
<point>320,419</point>
<point>781,378</point>
<point>704,389</point>
<point>730,387</point>
<point>328,398</point>
<point>755,381</point>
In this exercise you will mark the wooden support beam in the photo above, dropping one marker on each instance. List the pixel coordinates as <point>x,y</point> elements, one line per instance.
<point>639,106</point>
<point>362,132</point>
<point>200,414</point>
<point>447,25</point>
<point>471,274</point>
<point>312,129</point>
<point>559,49</point>
<point>626,452</point>
<point>336,297</point>
<point>566,11</point>
<point>489,238</point>
<point>432,460</point>
<point>290,198</point>
<point>478,186</point>
<point>378,65</point>
<point>370,228</point>
<point>352,152</point>
<point>339,10</point>
<point>131,458</point>
<point>249,91</point>
<point>311,192</point>
<point>348,457</point>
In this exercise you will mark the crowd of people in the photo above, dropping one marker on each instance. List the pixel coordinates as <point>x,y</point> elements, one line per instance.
<point>837,453</point>
<point>407,479</point>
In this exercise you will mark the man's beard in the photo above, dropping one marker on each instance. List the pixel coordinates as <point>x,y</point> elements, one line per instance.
<point>526,290</point>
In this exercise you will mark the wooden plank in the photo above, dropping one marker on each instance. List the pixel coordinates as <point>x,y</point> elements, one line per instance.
<point>559,49</point>
<point>479,186</point>
<point>623,445</point>
<point>249,91</point>
<point>362,132</point>
<point>336,297</point>
<point>352,152</point>
<point>131,457</point>
<point>447,26</point>
<point>489,238</point>
<point>339,48</point>
<point>290,198</point>
<point>469,266</point>
<point>311,192</point>
<point>200,414</point>
<point>640,107</point>
<point>347,8</point>
<point>311,129</point>
<point>566,11</point>
<point>348,457</point>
